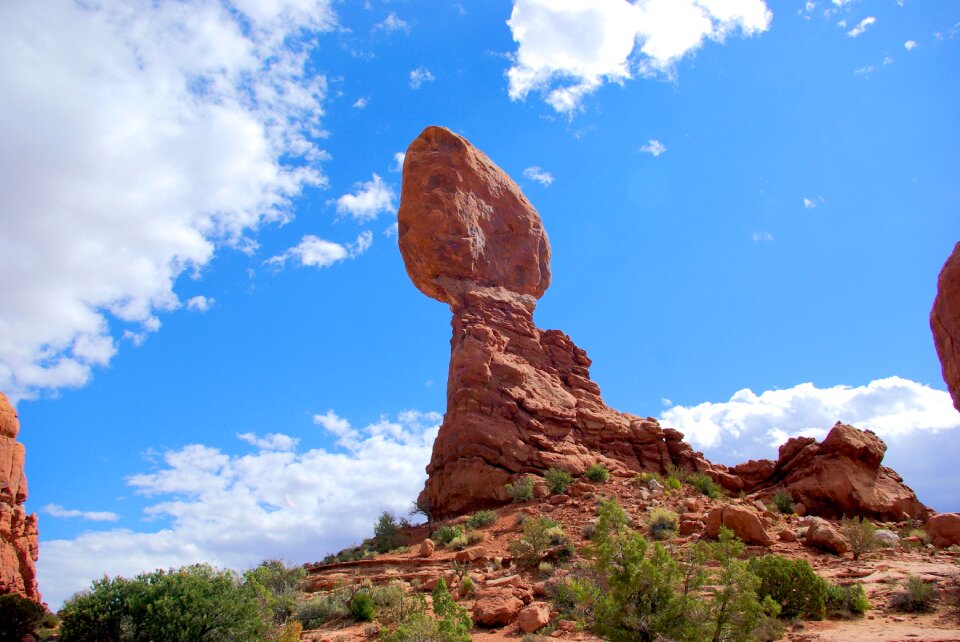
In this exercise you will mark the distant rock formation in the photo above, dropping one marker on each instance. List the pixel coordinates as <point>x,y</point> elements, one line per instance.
<point>945,323</point>
<point>519,399</point>
<point>18,531</point>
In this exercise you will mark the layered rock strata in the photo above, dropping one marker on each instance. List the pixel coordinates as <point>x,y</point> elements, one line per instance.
<point>18,531</point>
<point>519,399</point>
<point>945,323</point>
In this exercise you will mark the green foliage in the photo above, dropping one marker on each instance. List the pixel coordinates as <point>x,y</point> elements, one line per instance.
<point>597,473</point>
<point>706,485</point>
<point>386,533</point>
<point>447,533</point>
<point>558,480</point>
<point>861,535</point>
<point>455,622</point>
<point>275,587</point>
<point>783,501</point>
<point>916,596</point>
<point>481,518</point>
<point>362,608</point>
<point>19,617</point>
<point>538,535</point>
<point>192,603</point>
<point>321,609</point>
<point>290,632</point>
<point>467,587</point>
<point>521,490</point>
<point>793,584</point>
<point>846,601</point>
<point>662,523</point>
<point>422,507</point>
<point>673,483</point>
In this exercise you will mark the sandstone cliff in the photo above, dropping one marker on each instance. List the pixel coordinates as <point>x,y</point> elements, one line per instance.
<point>18,531</point>
<point>945,323</point>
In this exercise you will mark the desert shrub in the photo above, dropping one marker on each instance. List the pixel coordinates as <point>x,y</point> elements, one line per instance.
<point>861,535</point>
<point>916,596</point>
<point>195,602</point>
<point>320,609</point>
<point>467,586</point>
<point>521,490</point>
<point>558,480</point>
<point>588,530</point>
<point>662,523</point>
<point>645,477</point>
<point>454,622</point>
<point>459,542</point>
<point>289,632</point>
<point>386,533</point>
<point>539,534</point>
<point>673,483</point>
<point>422,507</point>
<point>793,584</point>
<point>597,473</point>
<point>481,518</point>
<point>704,483</point>
<point>783,501</point>
<point>19,617</point>
<point>275,587</point>
<point>545,569</point>
<point>362,607</point>
<point>474,537</point>
<point>952,593</point>
<point>446,533</point>
<point>845,601</point>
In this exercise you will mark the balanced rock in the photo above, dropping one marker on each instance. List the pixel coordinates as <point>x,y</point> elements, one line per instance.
<point>945,323</point>
<point>519,399</point>
<point>18,531</point>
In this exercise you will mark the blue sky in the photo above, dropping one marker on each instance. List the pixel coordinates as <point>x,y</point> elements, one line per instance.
<point>207,327</point>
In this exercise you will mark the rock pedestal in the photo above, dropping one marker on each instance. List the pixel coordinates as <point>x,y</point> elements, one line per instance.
<point>18,531</point>
<point>945,323</point>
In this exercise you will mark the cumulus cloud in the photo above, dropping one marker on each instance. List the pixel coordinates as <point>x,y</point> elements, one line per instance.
<point>200,303</point>
<point>368,200</point>
<point>188,125</point>
<point>313,251</point>
<point>914,419</point>
<point>566,50</point>
<point>235,510</point>
<point>419,76</point>
<point>861,26</point>
<point>654,147</point>
<point>910,45</point>
<point>360,103</point>
<point>56,510</point>
<point>538,174</point>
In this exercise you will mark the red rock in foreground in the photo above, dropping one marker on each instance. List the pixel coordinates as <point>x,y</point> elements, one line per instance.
<point>520,400</point>
<point>945,323</point>
<point>18,531</point>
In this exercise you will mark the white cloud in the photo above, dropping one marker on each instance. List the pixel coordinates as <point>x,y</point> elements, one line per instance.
<point>812,203</point>
<point>270,441</point>
<point>200,303</point>
<point>56,510</point>
<point>910,45</point>
<point>861,26</point>
<point>914,419</point>
<point>235,510</point>
<point>392,23</point>
<point>368,200</point>
<point>419,76</point>
<point>188,125</point>
<point>762,236</point>
<point>538,174</point>
<point>361,103</point>
<point>568,49</point>
<point>392,230</point>
<point>865,70</point>
<point>313,251</point>
<point>654,147</point>
<point>398,162</point>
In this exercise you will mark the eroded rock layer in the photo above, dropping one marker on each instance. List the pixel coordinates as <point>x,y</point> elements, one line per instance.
<point>18,531</point>
<point>945,323</point>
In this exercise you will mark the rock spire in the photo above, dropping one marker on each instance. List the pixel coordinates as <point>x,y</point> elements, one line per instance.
<point>18,531</point>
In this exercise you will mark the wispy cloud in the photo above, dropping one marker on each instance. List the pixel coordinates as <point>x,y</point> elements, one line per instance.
<point>270,441</point>
<point>56,510</point>
<point>539,174</point>
<point>762,236</point>
<point>812,203</point>
<point>392,23</point>
<point>861,26</point>
<point>360,103</point>
<point>654,147</point>
<point>368,200</point>
<point>398,158</point>
<point>419,76</point>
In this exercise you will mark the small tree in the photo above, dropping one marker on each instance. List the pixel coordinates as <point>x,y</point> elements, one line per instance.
<point>861,535</point>
<point>19,617</point>
<point>387,533</point>
<point>422,507</point>
<point>793,584</point>
<point>275,587</point>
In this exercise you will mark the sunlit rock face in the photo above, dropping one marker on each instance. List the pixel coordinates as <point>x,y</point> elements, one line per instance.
<point>945,323</point>
<point>18,531</point>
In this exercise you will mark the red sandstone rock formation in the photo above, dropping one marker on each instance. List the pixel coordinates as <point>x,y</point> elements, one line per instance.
<point>18,531</point>
<point>945,323</point>
<point>520,399</point>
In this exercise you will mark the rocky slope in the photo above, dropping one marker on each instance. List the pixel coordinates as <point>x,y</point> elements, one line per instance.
<point>18,531</point>
<point>945,323</point>
<point>520,400</point>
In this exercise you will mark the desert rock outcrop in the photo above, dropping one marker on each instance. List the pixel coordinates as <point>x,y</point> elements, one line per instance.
<point>945,323</point>
<point>18,531</point>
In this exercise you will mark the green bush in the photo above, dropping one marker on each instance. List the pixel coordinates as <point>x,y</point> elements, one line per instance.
<point>195,602</point>
<point>321,609</point>
<point>521,490</point>
<point>275,586</point>
<point>539,534</point>
<point>673,483</point>
<point>662,523</point>
<point>705,484</point>
<point>362,607</point>
<point>558,480</point>
<point>19,617</point>
<point>916,596</point>
<point>481,518</point>
<point>455,622</point>
<point>845,601</point>
<point>793,584</point>
<point>387,534</point>
<point>783,501</point>
<point>861,535</point>
<point>597,473</point>
<point>447,533</point>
